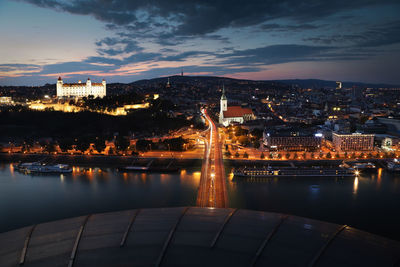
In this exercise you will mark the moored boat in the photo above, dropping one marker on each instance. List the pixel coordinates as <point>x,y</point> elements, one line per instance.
<point>393,165</point>
<point>295,172</point>
<point>148,169</point>
<point>37,167</point>
<point>364,166</point>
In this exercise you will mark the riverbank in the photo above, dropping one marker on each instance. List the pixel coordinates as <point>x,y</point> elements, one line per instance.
<point>380,163</point>
<point>93,160</point>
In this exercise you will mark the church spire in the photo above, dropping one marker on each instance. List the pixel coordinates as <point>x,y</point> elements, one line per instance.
<point>223,97</point>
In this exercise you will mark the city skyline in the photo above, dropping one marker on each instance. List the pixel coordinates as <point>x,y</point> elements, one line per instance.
<point>262,40</point>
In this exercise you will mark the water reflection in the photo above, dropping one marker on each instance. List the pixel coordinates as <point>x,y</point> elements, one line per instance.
<point>379,179</point>
<point>355,186</point>
<point>88,190</point>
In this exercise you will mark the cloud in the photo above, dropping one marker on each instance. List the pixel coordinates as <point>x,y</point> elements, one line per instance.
<point>286,28</point>
<point>16,70</point>
<point>199,17</point>
<point>376,36</point>
<point>276,54</point>
<point>154,37</point>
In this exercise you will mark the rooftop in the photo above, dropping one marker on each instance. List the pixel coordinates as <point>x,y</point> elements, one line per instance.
<point>236,111</point>
<point>194,237</point>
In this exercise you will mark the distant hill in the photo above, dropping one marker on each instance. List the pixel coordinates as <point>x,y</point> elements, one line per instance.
<point>211,80</point>
<point>214,80</point>
<point>190,81</point>
<point>315,83</point>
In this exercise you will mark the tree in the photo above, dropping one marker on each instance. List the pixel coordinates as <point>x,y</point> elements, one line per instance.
<point>262,156</point>
<point>121,143</point>
<point>227,153</point>
<point>321,155</point>
<point>304,155</point>
<point>143,145</point>
<point>279,155</point>
<point>50,148</point>
<point>337,155</point>
<point>287,155</point>
<point>345,155</point>
<point>370,156</point>
<point>353,155</point>
<point>237,155</point>
<point>256,144</point>
<point>257,133</point>
<point>245,155</point>
<point>361,155</point>
<point>82,145</point>
<point>295,156</point>
<point>312,156</point>
<point>100,144</point>
<point>271,156</point>
<point>244,140</point>
<point>65,144</point>
<point>328,155</point>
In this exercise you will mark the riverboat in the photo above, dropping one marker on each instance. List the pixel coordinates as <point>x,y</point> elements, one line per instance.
<point>295,172</point>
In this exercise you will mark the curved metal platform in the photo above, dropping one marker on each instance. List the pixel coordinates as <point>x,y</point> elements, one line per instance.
<point>194,237</point>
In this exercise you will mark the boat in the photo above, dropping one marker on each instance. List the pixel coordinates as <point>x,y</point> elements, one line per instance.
<point>393,165</point>
<point>134,169</point>
<point>37,167</point>
<point>24,166</point>
<point>364,166</point>
<point>295,172</point>
<point>148,169</point>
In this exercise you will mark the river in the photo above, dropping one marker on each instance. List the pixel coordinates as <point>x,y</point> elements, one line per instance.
<point>370,202</point>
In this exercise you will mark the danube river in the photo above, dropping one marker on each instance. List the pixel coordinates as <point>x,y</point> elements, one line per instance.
<point>370,202</point>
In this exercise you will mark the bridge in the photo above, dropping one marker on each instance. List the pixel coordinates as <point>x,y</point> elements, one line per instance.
<point>212,189</point>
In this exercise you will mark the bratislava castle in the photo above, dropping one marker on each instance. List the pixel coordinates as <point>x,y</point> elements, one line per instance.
<point>81,89</point>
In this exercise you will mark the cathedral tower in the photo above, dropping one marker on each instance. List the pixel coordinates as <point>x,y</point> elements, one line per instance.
<point>223,105</point>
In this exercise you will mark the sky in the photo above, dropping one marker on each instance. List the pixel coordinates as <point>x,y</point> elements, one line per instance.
<point>129,40</point>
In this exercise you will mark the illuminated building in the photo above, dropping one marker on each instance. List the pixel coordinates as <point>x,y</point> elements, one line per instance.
<point>353,142</point>
<point>81,89</point>
<point>6,100</point>
<point>338,85</point>
<point>233,114</point>
<point>289,140</point>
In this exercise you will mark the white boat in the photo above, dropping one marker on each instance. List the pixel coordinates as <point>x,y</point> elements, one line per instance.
<point>364,166</point>
<point>393,165</point>
<point>39,168</point>
<point>24,166</point>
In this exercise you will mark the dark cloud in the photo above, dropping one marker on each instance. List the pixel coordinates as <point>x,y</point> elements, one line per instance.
<point>198,17</point>
<point>19,67</point>
<point>73,67</point>
<point>375,36</point>
<point>112,46</point>
<point>286,28</point>
<point>185,55</point>
<point>276,54</point>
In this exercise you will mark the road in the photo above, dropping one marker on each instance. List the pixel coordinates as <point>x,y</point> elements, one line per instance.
<point>212,189</point>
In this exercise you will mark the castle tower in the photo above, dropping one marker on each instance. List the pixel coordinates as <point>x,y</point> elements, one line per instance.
<point>88,83</point>
<point>59,87</point>
<point>223,105</point>
<point>104,87</point>
<point>168,84</point>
